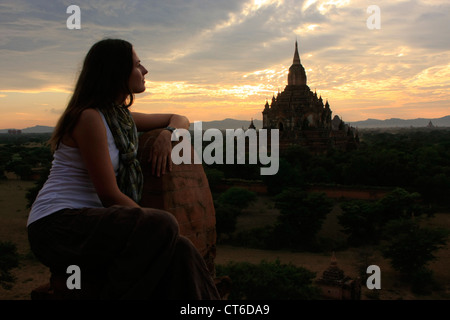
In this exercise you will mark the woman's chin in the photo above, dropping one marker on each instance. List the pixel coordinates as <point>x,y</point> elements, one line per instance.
<point>139,90</point>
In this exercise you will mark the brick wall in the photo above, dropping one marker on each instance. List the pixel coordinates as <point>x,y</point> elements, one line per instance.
<point>186,194</point>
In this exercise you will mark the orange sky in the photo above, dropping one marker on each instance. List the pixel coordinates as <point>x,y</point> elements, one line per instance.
<point>212,60</point>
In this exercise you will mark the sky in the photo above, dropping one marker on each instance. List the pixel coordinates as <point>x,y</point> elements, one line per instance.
<point>217,59</point>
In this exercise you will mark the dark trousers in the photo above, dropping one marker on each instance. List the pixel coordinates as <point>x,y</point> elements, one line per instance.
<point>136,253</point>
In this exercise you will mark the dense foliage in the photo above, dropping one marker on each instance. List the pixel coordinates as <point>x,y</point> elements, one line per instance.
<point>363,221</point>
<point>416,160</point>
<point>301,217</point>
<point>414,164</point>
<point>24,154</point>
<point>269,281</point>
<point>229,206</point>
<point>9,259</point>
<point>410,246</point>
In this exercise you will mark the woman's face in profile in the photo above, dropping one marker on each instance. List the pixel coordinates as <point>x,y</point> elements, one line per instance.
<point>137,79</point>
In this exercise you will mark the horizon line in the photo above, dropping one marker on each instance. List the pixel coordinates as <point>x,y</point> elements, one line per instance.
<point>348,122</point>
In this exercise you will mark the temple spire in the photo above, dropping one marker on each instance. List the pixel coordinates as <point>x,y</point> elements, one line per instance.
<point>296,55</point>
<point>297,74</point>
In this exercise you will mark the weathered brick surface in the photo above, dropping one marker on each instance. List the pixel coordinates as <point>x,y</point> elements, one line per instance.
<point>185,193</point>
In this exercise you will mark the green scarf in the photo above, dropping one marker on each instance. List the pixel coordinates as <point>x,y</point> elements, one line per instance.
<point>123,128</point>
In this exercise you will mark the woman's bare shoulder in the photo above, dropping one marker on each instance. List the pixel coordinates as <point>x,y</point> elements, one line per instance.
<point>89,126</point>
<point>89,120</point>
<point>90,115</point>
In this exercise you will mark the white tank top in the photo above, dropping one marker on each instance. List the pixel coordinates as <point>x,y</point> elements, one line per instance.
<point>68,185</point>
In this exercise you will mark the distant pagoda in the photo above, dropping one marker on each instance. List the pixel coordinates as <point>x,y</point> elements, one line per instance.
<point>302,117</point>
<point>335,285</point>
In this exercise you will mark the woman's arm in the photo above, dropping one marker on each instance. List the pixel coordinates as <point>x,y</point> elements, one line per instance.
<point>160,153</point>
<point>90,137</point>
<point>147,122</point>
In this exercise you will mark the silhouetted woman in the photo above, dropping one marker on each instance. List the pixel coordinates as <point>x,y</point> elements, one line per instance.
<point>87,213</point>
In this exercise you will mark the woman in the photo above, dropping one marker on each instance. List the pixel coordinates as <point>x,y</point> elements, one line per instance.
<point>88,214</point>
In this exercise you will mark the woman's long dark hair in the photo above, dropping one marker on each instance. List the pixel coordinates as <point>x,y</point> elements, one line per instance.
<point>102,81</point>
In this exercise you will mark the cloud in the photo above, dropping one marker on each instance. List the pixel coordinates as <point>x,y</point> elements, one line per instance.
<point>205,52</point>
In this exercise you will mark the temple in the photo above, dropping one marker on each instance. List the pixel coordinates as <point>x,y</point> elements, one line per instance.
<point>303,118</point>
<point>335,285</point>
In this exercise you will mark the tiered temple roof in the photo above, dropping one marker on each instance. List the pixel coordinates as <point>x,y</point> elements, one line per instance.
<point>302,116</point>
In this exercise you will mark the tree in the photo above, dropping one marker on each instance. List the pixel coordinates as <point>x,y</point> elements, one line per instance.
<point>33,192</point>
<point>24,171</point>
<point>400,203</point>
<point>301,217</point>
<point>214,176</point>
<point>364,221</point>
<point>411,247</point>
<point>359,220</point>
<point>226,218</point>
<point>287,177</point>
<point>229,206</point>
<point>237,196</point>
<point>269,281</point>
<point>9,259</point>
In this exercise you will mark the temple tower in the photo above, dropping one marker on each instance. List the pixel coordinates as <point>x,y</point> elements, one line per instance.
<point>302,117</point>
<point>297,74</point>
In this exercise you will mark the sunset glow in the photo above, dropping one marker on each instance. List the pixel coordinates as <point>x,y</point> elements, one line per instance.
<point>215,60</point>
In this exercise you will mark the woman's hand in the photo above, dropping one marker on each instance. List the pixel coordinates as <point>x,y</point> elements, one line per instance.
<point>160,154</point>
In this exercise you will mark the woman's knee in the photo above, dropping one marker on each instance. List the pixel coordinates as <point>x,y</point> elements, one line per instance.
<point>163,221</point>
<point>186,247</point>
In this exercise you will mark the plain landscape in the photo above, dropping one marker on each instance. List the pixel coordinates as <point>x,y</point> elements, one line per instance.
<point>31,274</point>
